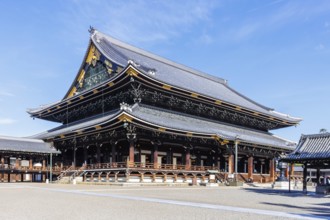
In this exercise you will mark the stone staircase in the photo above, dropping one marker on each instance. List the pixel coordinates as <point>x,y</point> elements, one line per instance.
<point>70,174</point>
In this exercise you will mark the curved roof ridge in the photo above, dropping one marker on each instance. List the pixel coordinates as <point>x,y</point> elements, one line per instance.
<point>158,58</point>
<point>22,139</point>
<point>199,118</point>
<point>319,135</point>
<point>254,102</point>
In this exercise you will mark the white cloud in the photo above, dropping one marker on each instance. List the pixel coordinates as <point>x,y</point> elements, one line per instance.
<point>6,121</point>
<point>139,21</point>
<point>4,93</point>
<point>279,14</point>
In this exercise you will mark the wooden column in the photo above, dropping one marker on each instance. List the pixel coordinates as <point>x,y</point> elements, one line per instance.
<point>250,168</point>
<point>318,175</point>
<point>286,173</point>
<point>2,162</point>
<point>272,170</point>
<point>169,157</point>
<point>3,166</point>
<point>17,164</point>
<point>113,151</point>
<point>292,169</point>
<point>131,152</point>
<point>155,156</point>
<point>231,163</point>
<point>31,164</point>
<point>43,164</point>
<point>188,162</point>
<point>98,153</point>
<point>305,179</point>
<point>85,154</point>
<point>74,157</point>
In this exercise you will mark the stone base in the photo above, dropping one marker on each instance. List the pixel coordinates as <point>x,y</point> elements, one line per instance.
<point>322,189</point>
<point>235,183</point>
<point>281,185</point>
<point>211,184</point>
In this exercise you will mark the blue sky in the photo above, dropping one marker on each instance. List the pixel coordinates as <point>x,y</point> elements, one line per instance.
<point>275,52</point>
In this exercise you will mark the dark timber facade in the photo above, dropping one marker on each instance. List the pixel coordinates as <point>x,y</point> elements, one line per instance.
<point>133,116</point>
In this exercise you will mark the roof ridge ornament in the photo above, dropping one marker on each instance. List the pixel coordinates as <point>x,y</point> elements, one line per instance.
<point>91,30</point>
<point>126,107</point>
<point>133,63</point>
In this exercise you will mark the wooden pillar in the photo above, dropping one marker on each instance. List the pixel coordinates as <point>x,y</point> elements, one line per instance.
<point>272,170</point>
<point>2,162</point>
<point>107,177</point>
<point>43,164</point>
<point>31,164</point>
<point>318,175</point>
<point>85,154</point>
<point>131,152</point>
<point>2,165</point>
<point>155,156</point>
<point>231,163</point>
<point>286,172</point>
<point>292,169</point>
<point>169,157</point>
<point>17,164</point>
<point>98,153</point>
<point>74,164</point>
<point>305,179</point>
<point>113,152</point>
<point>99,177</point>
<point>188,162</point>
<point>250,168</point>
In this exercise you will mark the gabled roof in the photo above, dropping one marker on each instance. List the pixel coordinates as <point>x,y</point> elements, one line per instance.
<point>177,75</point>
<point>25,145</point>
<point>170,121</point>
<point>311,147</point>
<point>160,70</point>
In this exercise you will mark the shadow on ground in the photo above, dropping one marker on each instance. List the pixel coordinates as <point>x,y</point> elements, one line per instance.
<point>316,209</point>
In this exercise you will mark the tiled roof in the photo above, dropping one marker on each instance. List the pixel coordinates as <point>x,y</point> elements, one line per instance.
<point>180,122</point>
<point>311,147</point>
<point>178,75</point>
<point>28,145</point>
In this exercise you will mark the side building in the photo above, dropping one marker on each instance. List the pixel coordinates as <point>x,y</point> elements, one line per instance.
<point>130,115</point>
<point>313,152</point>
<point>25,159</point>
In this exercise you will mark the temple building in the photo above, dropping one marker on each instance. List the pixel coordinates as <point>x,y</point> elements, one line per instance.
<point>313,152</point>
<point>25,159</point>
<point>133,116</point>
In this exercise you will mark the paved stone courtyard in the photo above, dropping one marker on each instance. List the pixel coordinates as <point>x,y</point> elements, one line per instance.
<point>60,201</point>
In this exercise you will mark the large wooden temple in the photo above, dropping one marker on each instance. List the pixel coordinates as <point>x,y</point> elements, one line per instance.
<point>133,116</point>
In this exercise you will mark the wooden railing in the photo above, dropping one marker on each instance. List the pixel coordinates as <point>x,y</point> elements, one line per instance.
<point>146,166</point>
